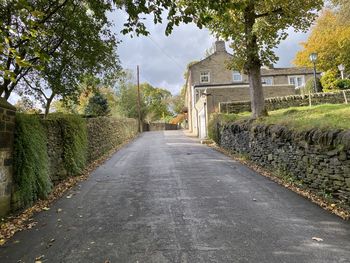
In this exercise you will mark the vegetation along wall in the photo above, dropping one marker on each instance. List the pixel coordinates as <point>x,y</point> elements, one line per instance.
<point>288,101</point>
<point>49,150</point>
<point>318,160</point>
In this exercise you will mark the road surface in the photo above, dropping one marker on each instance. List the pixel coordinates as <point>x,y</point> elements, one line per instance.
<point>167,198</point>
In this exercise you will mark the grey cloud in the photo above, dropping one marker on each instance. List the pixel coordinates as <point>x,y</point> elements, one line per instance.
<point>187,43</point>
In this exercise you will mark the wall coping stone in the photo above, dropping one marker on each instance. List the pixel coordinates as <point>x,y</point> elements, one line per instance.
<point>327,138</point>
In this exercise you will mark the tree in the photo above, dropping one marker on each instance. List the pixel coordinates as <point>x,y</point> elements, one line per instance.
<point>32,33</point>
<point>97,106</point>
<point>178,101</point>
<point>157,102</point>
<point>24,104</point>
<point>343,10</point>
<point>330,38</point>
<point>253,27</point>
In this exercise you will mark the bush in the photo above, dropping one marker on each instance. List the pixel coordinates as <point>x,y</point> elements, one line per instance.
<point>31,171</point>
<point>328,80</point>
<point>310,86</point>
<point>74,138</point>
<point>98,106</point>
<point>343,84</point>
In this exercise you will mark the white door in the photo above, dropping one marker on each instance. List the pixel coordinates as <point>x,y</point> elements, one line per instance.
<point>202,125</point>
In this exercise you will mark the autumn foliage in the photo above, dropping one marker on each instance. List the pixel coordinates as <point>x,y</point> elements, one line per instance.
<point>330,38</point>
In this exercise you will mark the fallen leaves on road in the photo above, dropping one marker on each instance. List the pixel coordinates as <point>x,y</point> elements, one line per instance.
<point>325,204</point>
<point>19,222</point>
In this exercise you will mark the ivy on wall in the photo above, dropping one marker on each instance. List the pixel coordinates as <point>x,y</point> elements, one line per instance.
<point>31,171</point>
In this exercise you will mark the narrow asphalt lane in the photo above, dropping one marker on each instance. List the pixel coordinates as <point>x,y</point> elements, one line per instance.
<point>167,198</point>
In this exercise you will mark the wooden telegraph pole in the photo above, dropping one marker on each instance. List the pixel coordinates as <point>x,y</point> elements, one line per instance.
<point>138,100</point>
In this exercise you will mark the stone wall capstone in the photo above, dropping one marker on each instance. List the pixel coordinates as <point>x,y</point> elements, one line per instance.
<point>7,126</point>
<point>288,101</point>
<point>318,159</point>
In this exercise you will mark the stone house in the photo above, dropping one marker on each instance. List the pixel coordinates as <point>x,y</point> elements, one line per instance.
<point>209,82</point>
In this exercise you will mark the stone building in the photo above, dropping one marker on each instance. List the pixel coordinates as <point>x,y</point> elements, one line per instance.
<point>210,82</point>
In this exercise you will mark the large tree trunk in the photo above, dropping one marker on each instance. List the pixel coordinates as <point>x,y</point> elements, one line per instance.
<point>256,92</point>
<point>48,104</point>
<point>253,65</point>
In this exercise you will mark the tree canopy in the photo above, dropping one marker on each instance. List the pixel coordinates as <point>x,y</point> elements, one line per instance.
<point>55,42</point>
<point>330,38</point>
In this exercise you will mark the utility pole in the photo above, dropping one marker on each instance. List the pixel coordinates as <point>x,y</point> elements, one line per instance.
<point>138,100</point>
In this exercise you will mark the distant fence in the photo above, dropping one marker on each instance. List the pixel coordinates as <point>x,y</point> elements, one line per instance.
<point>289,101</point>
<point>159,126</point>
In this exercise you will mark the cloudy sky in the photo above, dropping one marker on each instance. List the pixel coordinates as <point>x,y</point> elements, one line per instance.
<point>163,59</point>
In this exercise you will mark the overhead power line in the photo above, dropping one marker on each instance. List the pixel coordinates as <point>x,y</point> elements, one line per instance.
<point>165,53</point>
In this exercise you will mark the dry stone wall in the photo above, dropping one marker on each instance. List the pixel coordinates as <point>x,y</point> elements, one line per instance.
<point>7,125</point>
<point>320,160</point>
<point>288,101</point>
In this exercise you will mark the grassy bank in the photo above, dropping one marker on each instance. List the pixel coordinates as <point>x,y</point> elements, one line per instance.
<point>334,116</point>
<point>327,116</point>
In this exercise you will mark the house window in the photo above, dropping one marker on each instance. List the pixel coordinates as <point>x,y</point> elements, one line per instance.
<point>297,81</point>
<point>267,80</point>
<point>205,77</point>
<point>237,76</point>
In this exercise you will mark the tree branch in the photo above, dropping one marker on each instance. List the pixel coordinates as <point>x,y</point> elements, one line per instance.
<point>34,88</point>
<point>276,11</point>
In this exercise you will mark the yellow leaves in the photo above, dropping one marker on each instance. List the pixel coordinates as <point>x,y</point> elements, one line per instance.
<point>37,14</point>
<point>330,39</point>
<point>22,62</point>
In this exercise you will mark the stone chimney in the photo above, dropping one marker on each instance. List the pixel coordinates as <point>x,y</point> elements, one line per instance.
<point>220,46</point>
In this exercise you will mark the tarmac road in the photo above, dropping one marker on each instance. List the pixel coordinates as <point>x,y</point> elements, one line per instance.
<point>167,198</point>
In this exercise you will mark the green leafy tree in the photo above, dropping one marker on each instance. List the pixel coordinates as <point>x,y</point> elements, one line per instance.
<point>98,106</point>
<point>127,98</point>
<point>178,101</point>
<point>157,102</point>
<point>24,104</point>
<point>35,36</point>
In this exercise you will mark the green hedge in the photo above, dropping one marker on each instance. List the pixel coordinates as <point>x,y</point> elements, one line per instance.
<point>74,138</point>
<point>31,171</point>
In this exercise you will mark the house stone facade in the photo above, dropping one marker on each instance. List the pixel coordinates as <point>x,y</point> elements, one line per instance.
<point>210,82</point>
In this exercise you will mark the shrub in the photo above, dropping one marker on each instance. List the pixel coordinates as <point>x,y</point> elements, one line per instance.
<point>343,84</point>
<point>31,171</point>
<point>328,80</point>
<point>98,106</point>
<point>74,138</point>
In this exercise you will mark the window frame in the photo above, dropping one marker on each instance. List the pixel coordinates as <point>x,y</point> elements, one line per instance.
<point>296,78</point>
<point>237,73</point>
<point>264,82</point>
<point>207,72</point>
